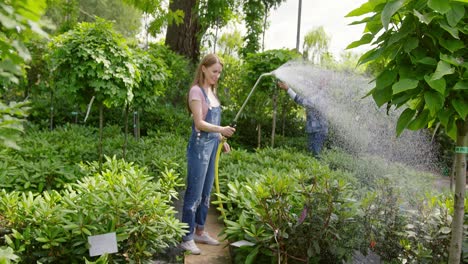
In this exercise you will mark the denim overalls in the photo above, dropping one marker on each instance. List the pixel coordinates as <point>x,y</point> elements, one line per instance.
<point>201,155</point>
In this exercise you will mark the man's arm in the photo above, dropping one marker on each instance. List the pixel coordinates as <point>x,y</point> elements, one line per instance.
<point>297,98</point>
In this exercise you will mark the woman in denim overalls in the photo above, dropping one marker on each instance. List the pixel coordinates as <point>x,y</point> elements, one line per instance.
<point>201,151</point>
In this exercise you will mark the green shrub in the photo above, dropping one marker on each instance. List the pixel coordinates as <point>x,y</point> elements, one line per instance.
<point>291,206</point>
<point>53,227</point>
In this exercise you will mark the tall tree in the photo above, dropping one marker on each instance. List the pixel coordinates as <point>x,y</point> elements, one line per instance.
<point>184,38</point>
<point>93,62</point>
<point>66,13</point>
<point>424,46</point>
<point>200,16</point>
<point>316,44</point>
<point>230,43</point>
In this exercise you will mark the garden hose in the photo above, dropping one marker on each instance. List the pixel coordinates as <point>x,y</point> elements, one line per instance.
<point>218,191</point>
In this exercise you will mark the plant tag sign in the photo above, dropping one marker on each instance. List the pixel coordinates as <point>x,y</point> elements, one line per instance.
<point>101,244</point>
<point>242,243</point>
<point>462,150</point>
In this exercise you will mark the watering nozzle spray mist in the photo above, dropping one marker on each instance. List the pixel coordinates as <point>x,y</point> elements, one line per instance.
<point>234,122</point>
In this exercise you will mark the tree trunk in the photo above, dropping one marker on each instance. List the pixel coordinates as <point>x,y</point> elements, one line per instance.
<point>51,125</point>
<point>459,195</point>
<point>184,38</point>
<point>124,148</point>
<point>101,127</point>
<point>273,125</point>
<point>259,135</point>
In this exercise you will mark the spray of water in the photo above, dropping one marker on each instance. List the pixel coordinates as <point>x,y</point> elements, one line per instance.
<point>357,124</point>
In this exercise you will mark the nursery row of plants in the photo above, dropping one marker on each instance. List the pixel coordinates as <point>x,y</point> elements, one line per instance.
<point>77,169</point>
<point>291,206</point>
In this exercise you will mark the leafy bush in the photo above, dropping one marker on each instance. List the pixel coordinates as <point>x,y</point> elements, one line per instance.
<point>291,206</point>
<point>53,226</point>
<point>49,159</point>
<point>284,198</point>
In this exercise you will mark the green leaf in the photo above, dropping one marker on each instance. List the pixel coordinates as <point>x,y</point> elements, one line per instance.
<point>434,101</point>
<point>451,45</point>
<point>461,106</point>
<point>370,56</point>
<point>442,69</point>
<point>382,96</point>
<point>420,121</point>
<point>445,230</point>
<point>441,6</point>
<point>438,85</point>
<point>455,14</point>
<point>389,10</point>
<point>365,8</point>
<point>452,60</point>
<point>453,31</point>
<point>365,39</point>
<point>444,116</point>
<point>411,44</point>
<point>252,255</point>
<point>404,120</point>
<point>425,18</point>
<point>461,85</point>
<point>7,22</point>
<point>427,61</point>
<point>404,85</point>
<point>386,78</point>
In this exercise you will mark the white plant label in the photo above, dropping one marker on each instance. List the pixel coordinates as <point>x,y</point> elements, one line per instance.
<point>101,244</point>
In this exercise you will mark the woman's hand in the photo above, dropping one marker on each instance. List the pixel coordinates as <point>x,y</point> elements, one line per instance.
<point>283,85</point>
<point>226,147</point>
<point>227,131</point>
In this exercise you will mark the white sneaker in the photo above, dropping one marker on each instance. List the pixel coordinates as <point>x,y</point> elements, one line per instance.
<point>190,246</point>
<point>205,239</point>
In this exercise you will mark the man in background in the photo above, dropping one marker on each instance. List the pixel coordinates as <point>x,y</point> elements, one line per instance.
<point>316,124</point>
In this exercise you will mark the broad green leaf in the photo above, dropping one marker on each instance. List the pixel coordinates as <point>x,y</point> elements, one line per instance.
<point>404,85</point>
<point>438,85</point>
<point>461,85</point>
<point>441,6</point>
<point>461,106</point>
<point>443,68</point>
<point>373,27</point>
<point>428,61</point>
<point>404,119</point>
<point>445,230</point>
<point>452,60</point>
<point>386,78</point>
<point>402,98</point>
<point>411,44</point>
<point>444,116</point>
<point>7,22</point>
<point>420,121</point>
<point>365,39</point>
<point>451,45</point>
<point>389,10</point>
<point>382,96</point>
<point>252,255</point>
<point>451,129</point>
<point>370,56</point>
<point>424,18</point>
<point>434,101</point>
<point>455,14</point>
<point>452,30</point>
<point>365,8</point>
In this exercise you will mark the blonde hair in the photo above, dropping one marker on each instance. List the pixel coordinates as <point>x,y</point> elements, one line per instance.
<point>199,79</point>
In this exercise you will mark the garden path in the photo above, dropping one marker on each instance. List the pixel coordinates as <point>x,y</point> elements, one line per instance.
<point>212,254</point>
